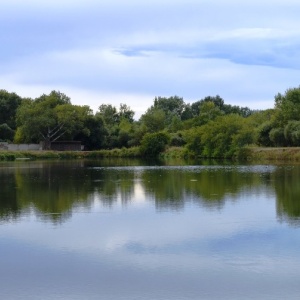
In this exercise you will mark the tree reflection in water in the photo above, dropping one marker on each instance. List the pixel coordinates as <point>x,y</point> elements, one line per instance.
<point>52,190</point>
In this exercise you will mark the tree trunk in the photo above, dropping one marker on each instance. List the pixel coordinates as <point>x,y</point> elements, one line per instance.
<point>47,144</point>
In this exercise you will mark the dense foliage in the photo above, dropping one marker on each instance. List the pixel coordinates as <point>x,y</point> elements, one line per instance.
<point>9,102</point>
<point>207,127</point>
<point>154,143</point>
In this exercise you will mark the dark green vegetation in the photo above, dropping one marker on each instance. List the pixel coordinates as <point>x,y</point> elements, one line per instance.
<point>52,188</point>
<point>205,128</point>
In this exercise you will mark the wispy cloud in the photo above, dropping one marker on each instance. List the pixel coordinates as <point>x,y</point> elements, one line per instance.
<point>191,48</point>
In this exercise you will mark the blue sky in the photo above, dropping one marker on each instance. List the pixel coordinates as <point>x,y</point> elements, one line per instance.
<point>131,51</point>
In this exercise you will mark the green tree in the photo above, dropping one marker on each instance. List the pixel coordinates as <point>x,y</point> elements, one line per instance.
<point>276,136</point>
<point>49,118</point>
<point>6,133</point>
<point>95,133</point>
<point>226,135</point>
<point>154,119</point>
<point>125,112</point>
<point>208,111</point>
<point>172,105</point>
<point>193,140</point>
<point>216,100</point>
<point>219,103</point>
<point>187,112</point>
<point>54,98</point>
<point>125,132</point>
<point>154,143</point>
<point>176,124</point>
<point>282,128</point>
<point>292,133</point>
<point>263,134</point>
<point>114,121</point>
<point>109,114</point>
<point>138,130</point>
<point>287,106</point>
<point>9,103</point>
<point>222,137</point>
<point>260,116</point>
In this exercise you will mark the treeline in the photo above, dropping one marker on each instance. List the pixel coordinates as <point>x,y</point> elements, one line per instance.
<point>207,127</point>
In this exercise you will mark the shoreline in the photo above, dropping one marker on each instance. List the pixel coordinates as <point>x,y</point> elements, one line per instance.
<point>288,154</point>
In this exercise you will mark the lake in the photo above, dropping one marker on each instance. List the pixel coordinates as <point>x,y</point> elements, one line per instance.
<point>130,230</point>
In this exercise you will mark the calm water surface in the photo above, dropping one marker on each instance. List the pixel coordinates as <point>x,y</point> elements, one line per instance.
<point>94,230</point>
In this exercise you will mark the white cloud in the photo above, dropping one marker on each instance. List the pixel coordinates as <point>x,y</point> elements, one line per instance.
<point>137,102</point>
<point>92,77</point>
<point>245,52</point>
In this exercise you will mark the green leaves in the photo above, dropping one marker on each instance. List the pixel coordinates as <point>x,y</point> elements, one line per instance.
<point>221,137</point>
<point>288,106</point>
<point>9,103</point>
<point>6,133</point>
<point>154,119</point>
<point>282,128</point>
<point>49,118</point>
<point>154,143</point>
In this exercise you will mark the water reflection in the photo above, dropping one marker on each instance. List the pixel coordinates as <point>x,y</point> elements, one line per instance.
<point>53,190</point>
<point>9,206</point>
<point>287,188</point>
<point>89,230</point>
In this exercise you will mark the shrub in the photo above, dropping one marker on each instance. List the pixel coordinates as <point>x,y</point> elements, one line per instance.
<point>221,138</point>
<point>292,133</point>
<point>263,131</point>
<point>277,137</point>
<point>177,140</point>
<point>6,133</point>
<point>154,143</point>
<point>7,156</point>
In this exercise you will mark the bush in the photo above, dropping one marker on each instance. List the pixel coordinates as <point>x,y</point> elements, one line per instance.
<point>292,133</point>
<point>177,140</point>
<point>154,143</point>
<point>221,138</point>
<point>277,137</point>
<point>263,134</point>
<point>6,133</point>
<point>7,156</point>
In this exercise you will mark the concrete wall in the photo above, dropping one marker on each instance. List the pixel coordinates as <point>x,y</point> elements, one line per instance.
<point>19,147</point>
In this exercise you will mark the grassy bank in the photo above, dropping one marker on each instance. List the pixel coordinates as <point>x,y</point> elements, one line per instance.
<point>273,154</point>
<point>19,155</point>
<point>247,153</point>
<point>250,154</point>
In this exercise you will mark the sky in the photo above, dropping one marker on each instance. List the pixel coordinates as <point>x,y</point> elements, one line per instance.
<point>116,51</point>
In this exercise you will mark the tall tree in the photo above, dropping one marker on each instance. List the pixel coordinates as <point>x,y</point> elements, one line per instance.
<point>116,124</point>
<point>95,133</point>
<point>216,100</point>
<point>6,133</point>
<point>9,103</point>
<point>154,119</point>
<point>49,118</point>
<point>125,112</point>
<point>287,106</point>
<point>172,105</point>
<point>109,114</point>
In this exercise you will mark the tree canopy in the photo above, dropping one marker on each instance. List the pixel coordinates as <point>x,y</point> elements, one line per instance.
<point>9,103</point>
<point>206,127</point>
<point>49,118</point>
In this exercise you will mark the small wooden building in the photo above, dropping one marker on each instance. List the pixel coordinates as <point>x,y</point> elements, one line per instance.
<point>66,146</point>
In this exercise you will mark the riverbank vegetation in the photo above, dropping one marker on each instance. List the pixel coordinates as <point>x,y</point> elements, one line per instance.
<point>255,154</point>
<point>205,128</point>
